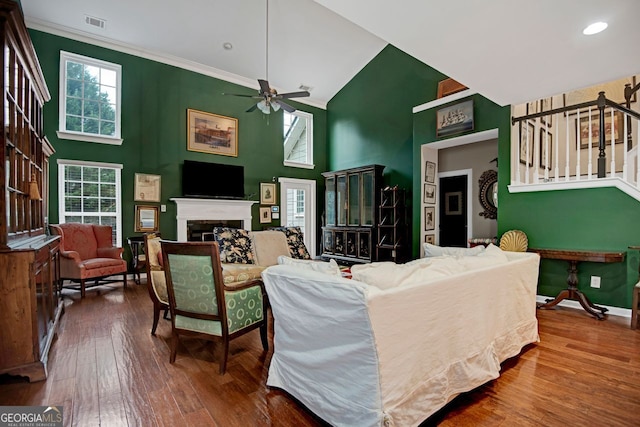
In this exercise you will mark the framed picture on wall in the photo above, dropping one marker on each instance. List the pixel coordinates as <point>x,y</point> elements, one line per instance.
<point>429,193</point>
<point>546,104</point>
<point>455,119</point>
<point>429,218</point>
<point>546,148</point>
<point>212,133</point>
<point>265,215</point>
<point>430,172</point>
<point>146,188</point>
<point>267,193</point>
<point>527,135</point>
<point>430,238</point>
<point>591,125</point>
<point>146,219</point>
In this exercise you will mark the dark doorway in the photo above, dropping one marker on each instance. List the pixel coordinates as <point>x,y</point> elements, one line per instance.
<point>453,211</point>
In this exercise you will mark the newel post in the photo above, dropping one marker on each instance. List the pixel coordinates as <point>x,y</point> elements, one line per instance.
<point>602,160</point>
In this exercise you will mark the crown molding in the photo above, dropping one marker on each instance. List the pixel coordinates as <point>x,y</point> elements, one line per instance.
<point>105,42</point>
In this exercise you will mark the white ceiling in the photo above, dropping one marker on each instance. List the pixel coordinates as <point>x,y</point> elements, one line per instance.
<point>510,51</point>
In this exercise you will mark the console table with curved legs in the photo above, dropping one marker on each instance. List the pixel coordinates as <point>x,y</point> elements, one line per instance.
<point>572,292</point>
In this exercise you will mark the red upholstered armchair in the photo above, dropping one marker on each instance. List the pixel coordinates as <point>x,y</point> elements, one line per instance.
<point>87,253</point>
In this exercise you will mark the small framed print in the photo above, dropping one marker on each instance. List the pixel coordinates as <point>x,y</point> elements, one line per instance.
<point>527,135</point>
<point>267,193</point>
<point>430,238</point>
<point>430,172</point>
<point>265,215</point>
<point>429,218</point>
<point>429,193</point>
<point>546,148</point>
<point>146,188</point>
<point>146,219</point>
<point>546,104</point>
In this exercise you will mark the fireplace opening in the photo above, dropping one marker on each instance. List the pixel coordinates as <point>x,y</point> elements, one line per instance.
<point>199,230</point>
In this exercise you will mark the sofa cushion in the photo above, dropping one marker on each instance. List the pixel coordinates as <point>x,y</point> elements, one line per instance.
<point>268,246</point>
<point>330,267</point>
<point>295,238</point>
<point>234,273</point>
<point>433,250</point>
<point>235,245</point>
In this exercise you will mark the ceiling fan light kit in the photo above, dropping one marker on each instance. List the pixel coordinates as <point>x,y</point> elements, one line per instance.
<point>269,98</point>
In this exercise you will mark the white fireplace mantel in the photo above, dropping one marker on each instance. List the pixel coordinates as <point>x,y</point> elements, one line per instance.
<point>211,210</point>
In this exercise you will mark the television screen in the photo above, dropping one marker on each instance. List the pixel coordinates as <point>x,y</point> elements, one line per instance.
<point>212,180</point>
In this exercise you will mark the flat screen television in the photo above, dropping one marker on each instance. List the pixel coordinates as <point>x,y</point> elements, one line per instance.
<point>212,180</point>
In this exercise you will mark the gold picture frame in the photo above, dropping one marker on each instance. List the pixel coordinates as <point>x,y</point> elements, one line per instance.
<point>146,188</point>
<point>267,193</point>
<point>147,219</point>
<point>211,133</point>
<point>265,215</point>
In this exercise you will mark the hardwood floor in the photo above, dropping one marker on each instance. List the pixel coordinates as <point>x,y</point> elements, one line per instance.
<point>106,369</point>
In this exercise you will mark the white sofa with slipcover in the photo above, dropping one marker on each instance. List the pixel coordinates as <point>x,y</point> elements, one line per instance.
<point>397,342</point>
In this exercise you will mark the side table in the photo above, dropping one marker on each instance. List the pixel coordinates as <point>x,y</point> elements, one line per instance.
<point>139,259</point>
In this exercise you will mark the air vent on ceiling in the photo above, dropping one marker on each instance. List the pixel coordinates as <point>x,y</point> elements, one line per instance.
<point>95,22</point>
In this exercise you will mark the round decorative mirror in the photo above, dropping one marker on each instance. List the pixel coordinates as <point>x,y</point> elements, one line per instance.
<point>489,194</point>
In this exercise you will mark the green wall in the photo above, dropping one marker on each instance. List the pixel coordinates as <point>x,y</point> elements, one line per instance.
<point>155,99</point>
<point>370,120</point>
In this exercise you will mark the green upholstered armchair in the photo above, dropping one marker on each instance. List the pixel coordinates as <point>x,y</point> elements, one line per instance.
<point>200,303</point>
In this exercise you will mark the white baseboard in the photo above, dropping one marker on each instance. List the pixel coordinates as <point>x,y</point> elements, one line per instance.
<point>616,311</point>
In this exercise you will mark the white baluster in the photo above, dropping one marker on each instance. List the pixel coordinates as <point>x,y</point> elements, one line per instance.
<point>578,147</point>
<point>625,144</point>
<point>517,153</point>
<point>536,154</point>
<point>613,145</point>
<point>556,171</point>
<point>590,168</point>
<point>566,143</point>
<point>546,152</point>
<point>526,168</point>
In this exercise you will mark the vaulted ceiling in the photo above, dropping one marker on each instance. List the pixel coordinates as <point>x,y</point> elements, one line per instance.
<point>509,51</point>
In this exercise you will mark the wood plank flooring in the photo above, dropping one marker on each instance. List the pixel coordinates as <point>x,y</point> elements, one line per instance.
<point>106,369</point>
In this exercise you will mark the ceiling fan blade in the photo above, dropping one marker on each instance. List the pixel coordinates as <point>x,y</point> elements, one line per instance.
<point>286,107</point>
<point>294,94</point>
<point>264,86</point>
<point>240,94</point>
<point>252,108</point>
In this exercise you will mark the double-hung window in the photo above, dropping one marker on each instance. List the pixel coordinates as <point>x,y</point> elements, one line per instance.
<point>90,193</point>
<point>89,99</point>
<point>298,139</point>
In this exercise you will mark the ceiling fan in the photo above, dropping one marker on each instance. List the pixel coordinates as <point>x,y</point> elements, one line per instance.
<point>269,97</point>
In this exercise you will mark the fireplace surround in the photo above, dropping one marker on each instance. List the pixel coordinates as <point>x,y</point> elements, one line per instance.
<point>211,210</point>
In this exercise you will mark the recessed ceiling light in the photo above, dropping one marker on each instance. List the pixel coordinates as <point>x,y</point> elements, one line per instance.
<point>595,28</point>
<point>227,46</point>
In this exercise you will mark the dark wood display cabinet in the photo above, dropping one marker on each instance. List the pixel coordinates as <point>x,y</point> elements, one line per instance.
<point>30,306</point>
<point>351,216</point>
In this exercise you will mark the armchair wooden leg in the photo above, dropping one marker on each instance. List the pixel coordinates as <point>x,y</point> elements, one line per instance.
<point>225,353</point>
<point>125,280</point>
<point>264,335</point>
<point>82,288</point>
<point>174,348</point>
<point>156,317</point>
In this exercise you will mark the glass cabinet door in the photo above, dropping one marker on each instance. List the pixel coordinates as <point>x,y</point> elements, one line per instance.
<point>354,199</point>
<point>341,195</point>
<point>330,200</point>
<point>368,198</point>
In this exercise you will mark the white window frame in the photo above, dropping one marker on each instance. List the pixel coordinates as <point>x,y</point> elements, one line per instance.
<point>62,213</point>
<point>81,136</point>
<point>308,164</point>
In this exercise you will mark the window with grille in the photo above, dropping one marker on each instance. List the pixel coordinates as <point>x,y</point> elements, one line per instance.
<point>89,99</point>
<point>90,193</point>
<point>298,139</point>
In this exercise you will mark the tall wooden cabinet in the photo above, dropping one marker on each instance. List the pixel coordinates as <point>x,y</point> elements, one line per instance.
<point>30,306</point>
<point>351,215</point>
